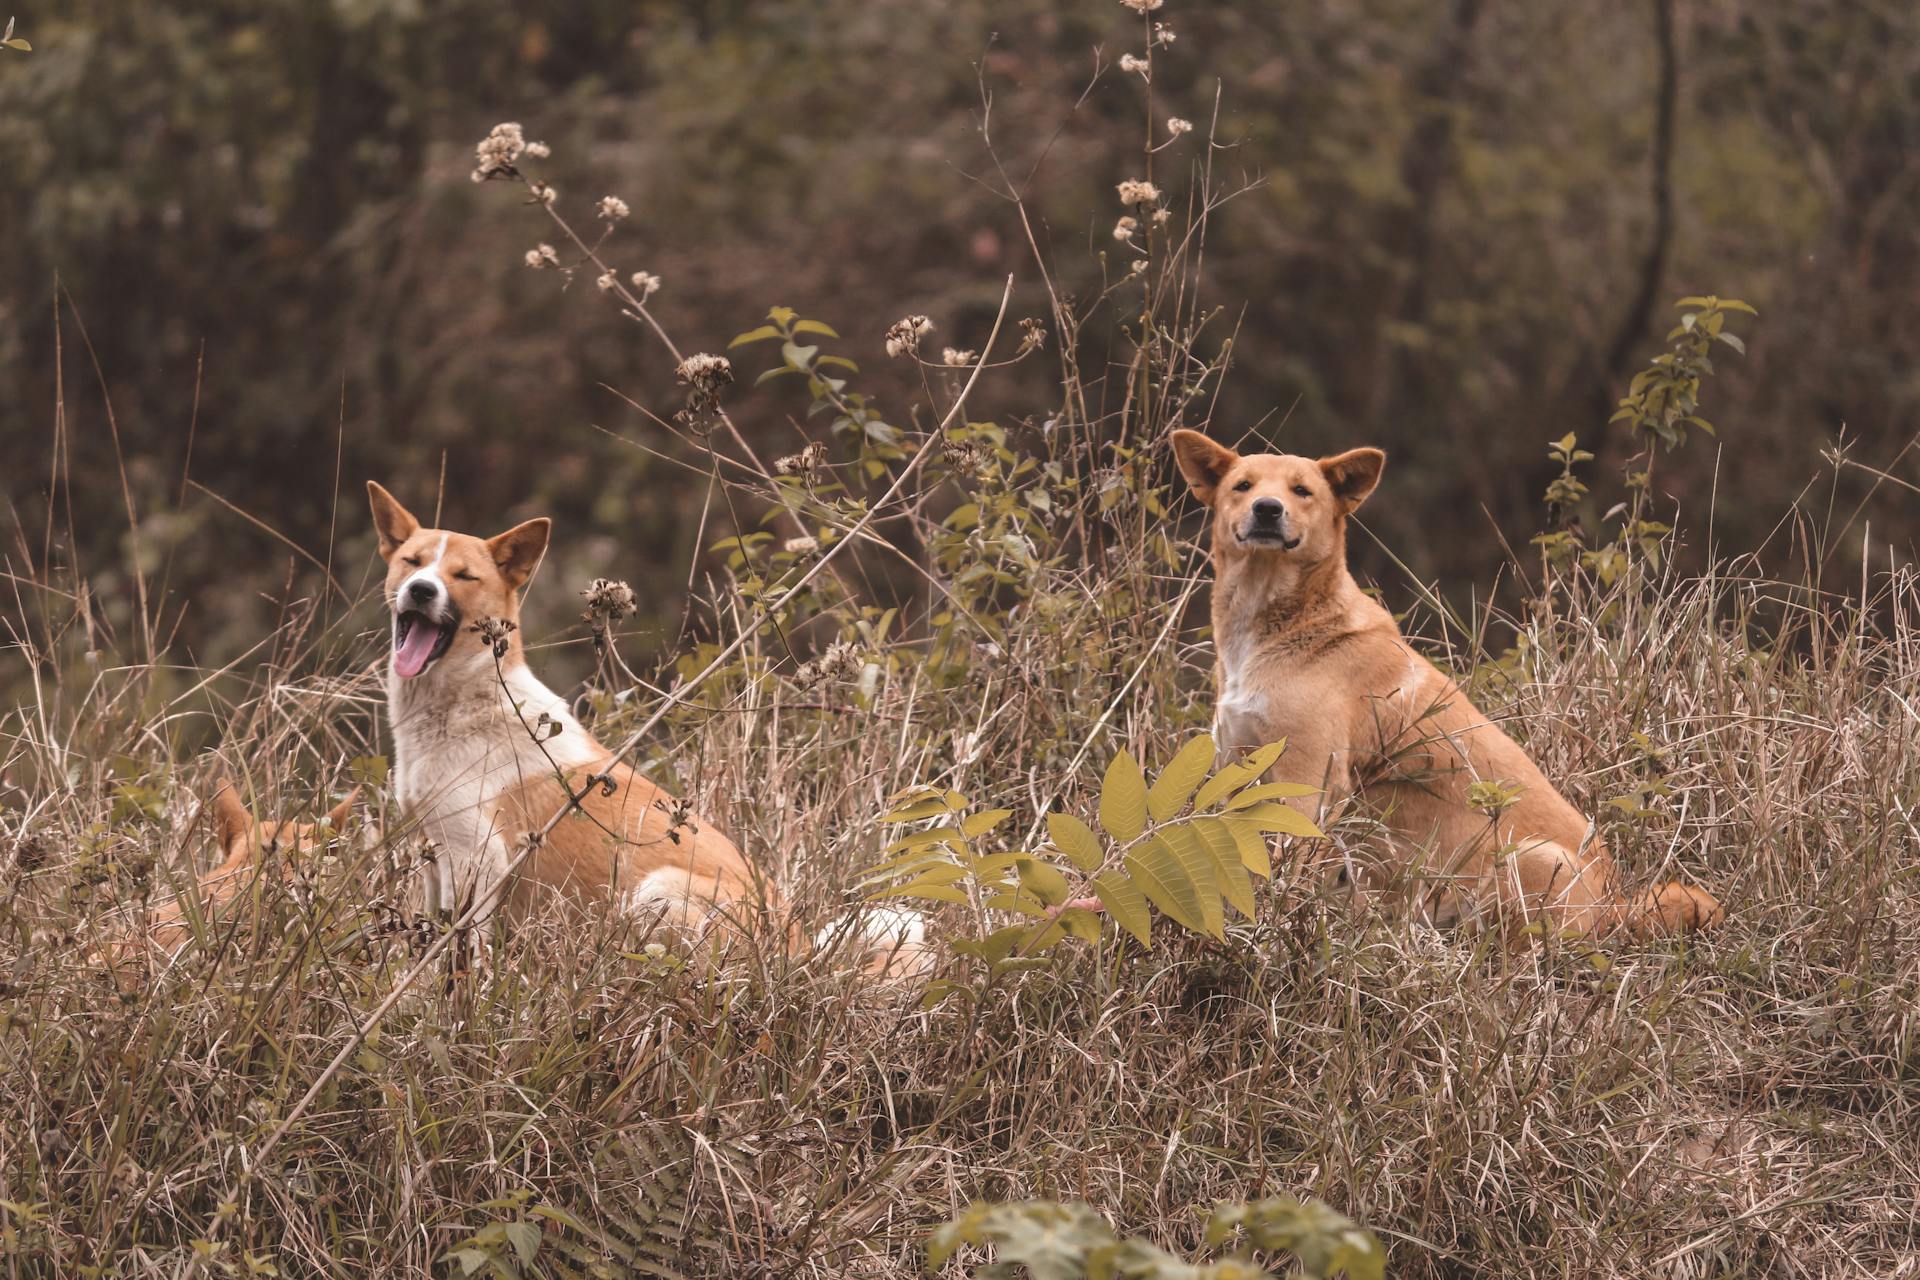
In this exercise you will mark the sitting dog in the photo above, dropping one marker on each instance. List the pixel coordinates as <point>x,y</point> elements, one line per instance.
<point>1303,654</point>
<point>485,755</point>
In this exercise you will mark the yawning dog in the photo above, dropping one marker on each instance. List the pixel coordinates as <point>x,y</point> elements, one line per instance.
<point>485,755</point>
<point>1303,654</point>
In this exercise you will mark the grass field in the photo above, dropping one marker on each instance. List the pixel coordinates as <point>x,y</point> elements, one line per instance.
<point>1742,1105</point>
<point>313,1087</point>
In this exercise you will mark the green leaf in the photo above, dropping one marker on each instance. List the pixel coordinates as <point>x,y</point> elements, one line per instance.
<point>1229,873</point>
<point>1043,881</point>
<point>1126,904</point>
<point>1075,839</point>
<point>986,820</point>
<point>774,372</point>
<point>1170,884</point>
<point>1271,791</point>
<point>1256,852</point>
<point>525,1238</point>
<point>947,835</point>
<point>929,892</point>
<point>1123,798</point>
<point>1175,785</point>
<point>1081,923</point>
<point>761,334</point>
<point>1239,774</point>
<point>1280,817</point>
<point>815,326</point>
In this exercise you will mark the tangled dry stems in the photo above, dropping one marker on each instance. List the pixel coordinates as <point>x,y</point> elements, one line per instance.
<point>1743,1104</point>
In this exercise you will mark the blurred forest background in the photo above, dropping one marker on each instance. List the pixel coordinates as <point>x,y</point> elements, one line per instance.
<point>1466,223</point>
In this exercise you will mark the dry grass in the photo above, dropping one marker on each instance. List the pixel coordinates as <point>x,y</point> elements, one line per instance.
<point>1748,1104</point>
<point>1744,1105</point>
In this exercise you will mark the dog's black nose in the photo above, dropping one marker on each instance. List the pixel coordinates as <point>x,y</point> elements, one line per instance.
<point>422,592</point>
<point>1268,510</point>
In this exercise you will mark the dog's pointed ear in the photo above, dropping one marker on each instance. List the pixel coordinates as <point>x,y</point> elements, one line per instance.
<point>1353,474</point>
<point>1203,462</point>
<point>232,824</point>
<point>518,550</point>
<point>338,815</point>
<point>393,522</point>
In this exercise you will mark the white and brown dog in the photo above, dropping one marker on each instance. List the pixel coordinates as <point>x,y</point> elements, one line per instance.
<point>485,756</point>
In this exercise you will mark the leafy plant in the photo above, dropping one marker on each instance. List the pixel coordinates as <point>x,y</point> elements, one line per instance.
<point>1186,847</point>
<point>1053,1241</point>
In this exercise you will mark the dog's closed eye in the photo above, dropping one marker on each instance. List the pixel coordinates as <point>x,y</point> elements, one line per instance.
<point>464,576</point>
<point>1243,486</point>
<point>1303,491</point>
<point>411,561</point>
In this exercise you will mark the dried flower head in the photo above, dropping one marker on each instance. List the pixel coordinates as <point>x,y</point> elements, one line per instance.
<point>608,600</point>
<point>1123,230</point>
<point>497,632</point>
<point>966,457</point>
<point>1176,126</point>
<point>805,462</point>
<point>606,282</point>
<point>496,153</point>
<point>1143,6</point>
<point>543,256</point>
<point>1161,217</point>
<point>612,208</point>
<point>546,193</point>
<point>903,336</point>
<point>705,372</point>
<point>1135,192</point>
<point>838,661</point>
<point>803,545</point>
<point>704,376</point>
<point>1131,64</point>
<point>645,283</point>
<point>1033,335</point>
<point>954,357</point>
<point>1162,33</point>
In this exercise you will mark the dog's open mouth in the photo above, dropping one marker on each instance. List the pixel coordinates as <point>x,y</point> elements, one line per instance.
<point>418,642</point>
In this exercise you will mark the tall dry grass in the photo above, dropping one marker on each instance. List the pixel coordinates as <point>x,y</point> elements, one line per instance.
<point>995,609</point>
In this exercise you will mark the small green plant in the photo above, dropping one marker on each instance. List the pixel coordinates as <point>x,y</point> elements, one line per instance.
<point>1186,846</point>
<point>1053,1241</point>
<point>10,41</point>
<point>1661,405</point>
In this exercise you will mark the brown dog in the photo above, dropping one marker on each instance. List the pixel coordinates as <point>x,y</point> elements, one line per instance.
<point>1303,654</point>
<point>248,844</point>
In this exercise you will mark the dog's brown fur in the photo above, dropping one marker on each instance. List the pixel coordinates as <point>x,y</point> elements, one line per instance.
<point>249,845</point>
<point>1303,654</point>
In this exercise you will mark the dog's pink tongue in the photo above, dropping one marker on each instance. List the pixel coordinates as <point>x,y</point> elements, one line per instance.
<point>410,659</point>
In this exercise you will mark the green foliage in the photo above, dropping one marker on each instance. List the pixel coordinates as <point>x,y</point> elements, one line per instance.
<point>1663,400</point>
<point>1661,404</point>
<point>1046,1240</point>
<point>10,41</point>
<point>1187,847</point>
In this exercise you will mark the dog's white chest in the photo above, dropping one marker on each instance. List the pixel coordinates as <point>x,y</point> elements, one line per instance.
<point>1241,717</point>
<point>459,744</point>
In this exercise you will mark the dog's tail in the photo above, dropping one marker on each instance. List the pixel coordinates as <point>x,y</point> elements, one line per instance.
<point>886,942</point>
